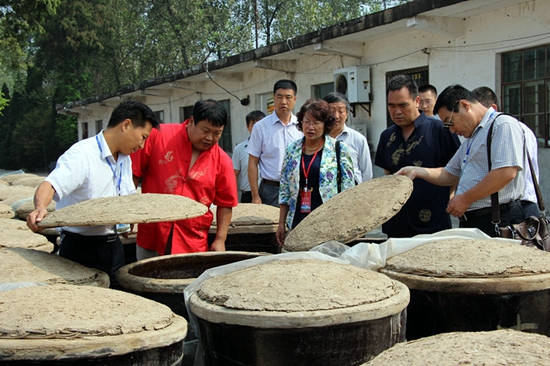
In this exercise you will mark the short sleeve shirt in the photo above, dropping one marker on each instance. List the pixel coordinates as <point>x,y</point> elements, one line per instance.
<point>240,163</point>
<point>430,146</point>
<point>360,153</point>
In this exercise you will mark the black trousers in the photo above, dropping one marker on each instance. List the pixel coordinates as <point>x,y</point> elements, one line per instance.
<point>513,215</point>
<point>246,197</point>
<point>101,252</point>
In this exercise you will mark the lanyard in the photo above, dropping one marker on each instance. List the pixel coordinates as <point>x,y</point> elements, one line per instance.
<point>118,179</point>
<point>306,172</point>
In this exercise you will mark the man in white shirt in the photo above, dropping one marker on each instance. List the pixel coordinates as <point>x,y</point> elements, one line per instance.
<point>268,142</point>
<point>428,97</point>
<point>240,158</point>
<point>99,166</point>
<point>356,142</point>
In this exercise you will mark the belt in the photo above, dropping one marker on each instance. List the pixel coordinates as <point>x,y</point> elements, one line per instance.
<point>470,215</point>
<point>271,182</point>
<point>108,237</point>
<point>245,191</point>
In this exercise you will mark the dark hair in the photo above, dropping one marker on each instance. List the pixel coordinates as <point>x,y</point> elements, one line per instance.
<point>450,97</point>
<point>285,84</point>
<point>486,96</point>
<point>135,111</point>
<point>254,116</point>
<point>399,82</point>
<point>336,97</point>
<point>427,87</point>
<point>210,110</point>
<point>319,110</point>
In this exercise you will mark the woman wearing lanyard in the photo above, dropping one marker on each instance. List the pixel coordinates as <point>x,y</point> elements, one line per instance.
<point>310,169</point>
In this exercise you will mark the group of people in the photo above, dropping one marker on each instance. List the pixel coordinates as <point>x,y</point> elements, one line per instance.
<point>296,162</point>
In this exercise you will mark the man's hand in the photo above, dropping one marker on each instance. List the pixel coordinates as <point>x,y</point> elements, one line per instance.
<point>218,246</point>
<point>408,171</point>
<point>458,205</point>
<point>280,235</point>
<point>256,200</point>
<point>35,217</point>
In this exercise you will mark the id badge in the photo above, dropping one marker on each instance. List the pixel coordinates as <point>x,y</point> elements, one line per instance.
<point>305,197</point>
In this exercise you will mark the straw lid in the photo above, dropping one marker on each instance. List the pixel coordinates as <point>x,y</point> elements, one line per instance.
<point>298,292</point>
<point>352,213</point>
<point>16,234</point>
<point>68,322</point>
<point>135,208</point>
<point>27,265</point>
<point>471,265</point>
<point>251,218</point>
<point>499,347</point>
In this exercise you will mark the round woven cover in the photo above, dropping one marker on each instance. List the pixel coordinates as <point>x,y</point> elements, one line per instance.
<point>6,211</point>
<point>11,194</point>
<point>470,258</point>
<point>28,182</point>
<point>81,322</point>
<point>16,234</point>
<point>10,178</point>
<point>297,294</point>
<point>135,208</point>
<point>247,214</point>
<point>499,347</point>
<point>27,207</point>
<point>298,285</point>
<point>351,213</point>
<point>27,265</point>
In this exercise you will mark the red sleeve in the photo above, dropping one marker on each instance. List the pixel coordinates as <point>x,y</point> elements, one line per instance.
<point>140,158</point>
<point>226,185</point>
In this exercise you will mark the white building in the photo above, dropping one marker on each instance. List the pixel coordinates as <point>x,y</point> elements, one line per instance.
<point>503,44</point>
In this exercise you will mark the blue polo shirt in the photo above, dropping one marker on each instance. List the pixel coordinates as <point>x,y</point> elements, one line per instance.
<point>431,146</point>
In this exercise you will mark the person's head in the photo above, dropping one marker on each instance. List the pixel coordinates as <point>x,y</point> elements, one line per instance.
<point>339,108</point>
<point>403,100</point>
<point>428,96</point>
<point>284,96</point>
<point>459,110</point>
<point>253,117</point>
<point>486,96</point>
<point>206,126</point>
<point>133,122</point>
<point>315,119</point>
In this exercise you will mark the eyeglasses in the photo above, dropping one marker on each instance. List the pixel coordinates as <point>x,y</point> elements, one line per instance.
<point>449,123</point>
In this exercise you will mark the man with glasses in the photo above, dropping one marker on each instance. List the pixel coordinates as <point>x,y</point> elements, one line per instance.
<point>461,112</point>
<point>415,139</point>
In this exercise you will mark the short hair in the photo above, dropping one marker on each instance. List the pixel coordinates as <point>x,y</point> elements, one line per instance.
<point>336,97</point>
<point>319,110</point>
<point>450,97</point>
<point>486,96</point>
<point>254,116</point>
<point>427,87</point>
<point>137,112</point>
<point>210,110</point>
<point>399,82</point>
<point>285,84</point>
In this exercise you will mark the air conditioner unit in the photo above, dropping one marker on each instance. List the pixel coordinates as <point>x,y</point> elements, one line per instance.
<point>354,83</point>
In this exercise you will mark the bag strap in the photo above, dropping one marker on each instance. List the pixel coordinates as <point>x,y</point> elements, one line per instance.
<point>339,173</point>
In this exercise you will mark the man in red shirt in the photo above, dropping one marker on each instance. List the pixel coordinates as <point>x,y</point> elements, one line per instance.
<point>185,159</point>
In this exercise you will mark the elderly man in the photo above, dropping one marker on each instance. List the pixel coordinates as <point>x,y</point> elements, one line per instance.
<point>415,139</point>
<point>356,142</point>
<point>461,112</point>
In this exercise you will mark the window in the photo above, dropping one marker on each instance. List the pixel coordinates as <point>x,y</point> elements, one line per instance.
<point>98,126</point>
<point>419,75</point>
<point>225,141</point>
<point>526,89</point>
<point>84,130</point>
<point>185,113</point>
<point>321,90</point>
<point>160,116</point>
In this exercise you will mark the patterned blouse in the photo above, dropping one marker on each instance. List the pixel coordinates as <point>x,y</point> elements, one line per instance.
<point>290,174</point>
